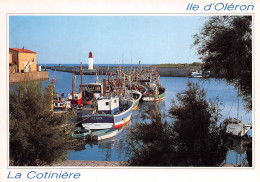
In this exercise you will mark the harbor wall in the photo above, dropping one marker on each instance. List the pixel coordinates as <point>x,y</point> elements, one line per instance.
<point>28,76</point>
<point>163,71</point>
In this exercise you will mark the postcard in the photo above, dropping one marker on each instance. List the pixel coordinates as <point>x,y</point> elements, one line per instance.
<point>129,90</point>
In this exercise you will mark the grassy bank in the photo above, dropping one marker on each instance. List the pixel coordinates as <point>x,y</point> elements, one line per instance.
<point>177,65</point>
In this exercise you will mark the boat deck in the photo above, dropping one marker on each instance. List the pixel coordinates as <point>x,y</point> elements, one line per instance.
<point>87,109</point>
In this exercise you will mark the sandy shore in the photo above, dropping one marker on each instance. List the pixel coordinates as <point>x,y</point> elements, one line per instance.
<point>91,163</point>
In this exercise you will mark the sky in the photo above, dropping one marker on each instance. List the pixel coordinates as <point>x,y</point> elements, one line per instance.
<point>112,39</point>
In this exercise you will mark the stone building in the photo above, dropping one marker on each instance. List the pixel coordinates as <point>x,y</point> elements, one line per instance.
<point>22,60</point>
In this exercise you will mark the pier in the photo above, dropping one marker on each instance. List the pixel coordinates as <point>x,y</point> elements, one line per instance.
<point>163,71</point>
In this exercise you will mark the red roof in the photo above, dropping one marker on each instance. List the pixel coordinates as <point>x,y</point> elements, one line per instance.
<point>22,50</point>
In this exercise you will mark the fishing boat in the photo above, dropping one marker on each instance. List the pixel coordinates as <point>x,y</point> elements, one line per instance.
<point>60,103</point>
<point>137,97</point>
<point>155,93</point>
<point>91,91</point>
<point>75,97</point>
<point>138,87</point>
<point>235,127</point>
<point>108,112</point>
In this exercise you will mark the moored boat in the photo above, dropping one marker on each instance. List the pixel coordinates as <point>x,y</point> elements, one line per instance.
<point>137,97</point>
<point>104,134</point>
<point>108,112</point>
<point>155,93</point>
<point>196,74</point>
<point>200,74</point>
<point>235,127</point>
<point>91,91</point>
<point>60,103</point>
<point>75,97</point>
<point>80,132</point>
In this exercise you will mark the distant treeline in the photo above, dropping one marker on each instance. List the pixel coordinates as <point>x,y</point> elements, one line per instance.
<point>179,64</point>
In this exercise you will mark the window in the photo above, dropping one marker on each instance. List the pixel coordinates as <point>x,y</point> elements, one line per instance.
<point>107,103</point>
<point>114,101</point>
<point>32,59</point>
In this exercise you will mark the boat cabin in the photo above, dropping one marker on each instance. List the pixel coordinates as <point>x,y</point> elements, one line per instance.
<point>95,88</point>
<point>153,89</point>
<point>108,105</point>
<point>232,121</point>
<point>61,104</point>
<point>77,99</point>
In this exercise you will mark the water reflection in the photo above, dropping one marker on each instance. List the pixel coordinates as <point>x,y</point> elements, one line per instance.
<point>117,148</point>
<point>111,149</point>
<point>239,151</point>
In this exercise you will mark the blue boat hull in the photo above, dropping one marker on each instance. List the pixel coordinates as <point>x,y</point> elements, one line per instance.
<point>105,121</point>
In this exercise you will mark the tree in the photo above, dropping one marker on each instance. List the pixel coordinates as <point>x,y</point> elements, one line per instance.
<point>195,125</point>
<point>37,136</point>
<point>225,47</point>
<point>192,139</point>
<point>149,142</point>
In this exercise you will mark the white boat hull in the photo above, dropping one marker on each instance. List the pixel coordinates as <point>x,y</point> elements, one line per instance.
<point>148,99</point>
<point>235,127</point>
<point>106,136</point>
<point>97,126</point>
<point>196,76</point>
<point>238,129</point>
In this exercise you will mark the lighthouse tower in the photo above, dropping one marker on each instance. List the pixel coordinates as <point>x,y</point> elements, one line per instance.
<point>90,61</point>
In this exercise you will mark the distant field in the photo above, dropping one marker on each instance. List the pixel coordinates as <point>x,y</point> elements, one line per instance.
<point>178,65</point>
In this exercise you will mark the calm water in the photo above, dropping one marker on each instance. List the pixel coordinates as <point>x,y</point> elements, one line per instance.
<point>116,149</point>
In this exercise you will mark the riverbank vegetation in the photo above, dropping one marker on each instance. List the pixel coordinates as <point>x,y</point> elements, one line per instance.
<point>36,135</point>
<point>225,46</point>
<point>191,139</point>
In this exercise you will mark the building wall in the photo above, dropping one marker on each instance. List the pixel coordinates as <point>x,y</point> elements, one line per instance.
<point>10,58</point>
<point>14,57</point>
<point>24,58</point>
<point>12,66</point>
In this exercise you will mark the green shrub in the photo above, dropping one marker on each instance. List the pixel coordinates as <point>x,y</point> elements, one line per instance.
<point>36,135</point>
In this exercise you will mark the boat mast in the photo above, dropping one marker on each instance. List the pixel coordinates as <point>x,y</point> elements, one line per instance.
<point>72,86</point>
<point>81,77</point>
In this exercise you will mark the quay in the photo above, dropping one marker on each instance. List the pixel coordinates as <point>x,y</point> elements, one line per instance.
<point>28,76</point>
<point>163,71</point>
